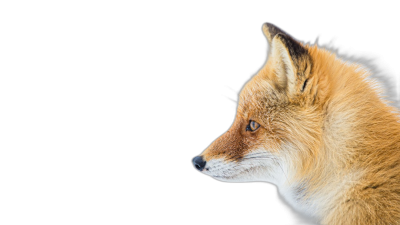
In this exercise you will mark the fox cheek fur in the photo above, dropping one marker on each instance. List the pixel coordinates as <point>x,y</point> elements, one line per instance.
<point>318,128</point>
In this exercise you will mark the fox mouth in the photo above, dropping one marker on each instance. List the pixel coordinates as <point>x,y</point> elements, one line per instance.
<point>253,167</point>
<point>222,178</point>
<point>233,174</point>
<point>220,172</point>
<point>219,177</point>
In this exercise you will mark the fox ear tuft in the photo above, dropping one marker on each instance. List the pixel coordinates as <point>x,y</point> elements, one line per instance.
<point>291,62</point>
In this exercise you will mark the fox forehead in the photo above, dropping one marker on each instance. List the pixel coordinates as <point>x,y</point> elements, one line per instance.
<point>260,97</point>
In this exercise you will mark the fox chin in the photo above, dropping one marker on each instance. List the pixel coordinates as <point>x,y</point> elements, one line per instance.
<point>318,128</point>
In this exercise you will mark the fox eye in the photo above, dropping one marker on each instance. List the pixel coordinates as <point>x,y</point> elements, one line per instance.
<point>252,126</point>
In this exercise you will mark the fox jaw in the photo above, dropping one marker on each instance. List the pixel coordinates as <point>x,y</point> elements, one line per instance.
<point>313,125</point>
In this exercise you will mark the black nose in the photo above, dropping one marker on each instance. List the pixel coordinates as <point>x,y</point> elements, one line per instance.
<point>199,163</point>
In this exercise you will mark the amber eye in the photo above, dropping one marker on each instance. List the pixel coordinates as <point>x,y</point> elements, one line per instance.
<point>252,126</point>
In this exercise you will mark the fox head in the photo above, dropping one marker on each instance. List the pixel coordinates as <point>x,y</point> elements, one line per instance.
<point>277,129</point>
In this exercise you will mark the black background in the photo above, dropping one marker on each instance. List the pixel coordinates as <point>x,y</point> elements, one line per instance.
<point>198,62</point>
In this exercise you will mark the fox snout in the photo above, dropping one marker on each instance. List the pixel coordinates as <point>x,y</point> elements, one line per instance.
<point>232,155</point>
<point>199,163</point>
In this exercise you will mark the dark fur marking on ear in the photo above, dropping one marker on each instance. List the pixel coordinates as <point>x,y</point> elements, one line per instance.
<point>274,30</point>
<point>304,85</point>
<point>296,51</point>
<point>299,55</point>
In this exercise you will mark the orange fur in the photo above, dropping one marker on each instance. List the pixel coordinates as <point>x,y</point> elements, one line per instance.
<point>343,138</point>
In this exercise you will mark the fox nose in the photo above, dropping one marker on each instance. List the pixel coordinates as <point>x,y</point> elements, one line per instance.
<point>199,163</point>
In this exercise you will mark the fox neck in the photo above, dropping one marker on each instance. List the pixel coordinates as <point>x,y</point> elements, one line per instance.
<point>347,149</point>
<point>354,127</point>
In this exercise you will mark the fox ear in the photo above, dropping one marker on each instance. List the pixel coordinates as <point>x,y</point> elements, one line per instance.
<point>271,30</point>
<point>290,60</point>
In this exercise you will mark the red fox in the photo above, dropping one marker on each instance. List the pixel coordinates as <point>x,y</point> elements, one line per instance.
<point>317,127</point>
